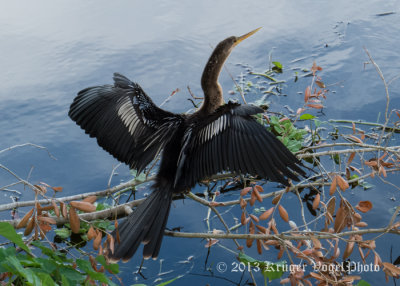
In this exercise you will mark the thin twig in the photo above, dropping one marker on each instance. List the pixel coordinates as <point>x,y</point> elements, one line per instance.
<point>29,144</point>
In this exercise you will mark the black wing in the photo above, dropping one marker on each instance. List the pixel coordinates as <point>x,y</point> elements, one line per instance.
<point>125,121</point>
<point>232,140</point>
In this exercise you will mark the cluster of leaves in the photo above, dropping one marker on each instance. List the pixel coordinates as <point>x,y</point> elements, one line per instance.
<point>285,131</point>
<point>40,218</point>
<point>52,268</point>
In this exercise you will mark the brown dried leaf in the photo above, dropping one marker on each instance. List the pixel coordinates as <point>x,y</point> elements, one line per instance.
<point>316,106</point>
<point>245,191</point>
<point>316,243</point>
<point>315,68</point>
<point>30,226</point>
<point>382,171</point>
<point>330,207</point>
<point>57,189</point>
<point>394,270</point>
<point>265,215</point>
<point>243,219</point>
<point>351,158</point>
<point>45,228</point>
<point>355,169</point>
<point>377,259</point>
<point>90,199</point>
<point>342,183</point>
<point>361,224</point>
<point>83,206</point>
<point>40,189</point>
<point>56,208</point>
<point>249,242</point>
<point>283,213</point>
<point>339,220</point>
<point>74,220</point>
<point>276,199</point>
<point>357,217</point>
<point>264,230</point>
<point>259,246</point>
<point>280,253</point>
<point>252,199</point>
<point>97,241</point>
<point>307,94</point>
<point>317,276</point>
<point>272,225</point>
<point>46,208</point>
<point>24,221</point>
<point>46,219</point>
<point>332,189</point>
<point>257,195</point>
<point>320,84</point>
<point>211,242</point>
<point>364,206</point>
<point>91,233</point>
<point>316,201</point>
<point>348,250</point>
<point>117,231</point>
<point>254,218</point>
<point>242,203</point>
<point>64,210</point>
<point>354,139</point>
<point>252,228</point>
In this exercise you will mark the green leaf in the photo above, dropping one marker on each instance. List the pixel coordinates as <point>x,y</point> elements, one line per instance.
<point>84,265</point>
<point>64,232</point>
<point>363,283</point>
<point>277,64</point>
<point>278,129</point>
<point>45,279</point>
<point>294,146</point>
<point>270,270</point>
<point>26,273</point>
<point>169,281</point>
<point>47,265</point>
<point>65,281</point>
<point>336,158</point>
<point>307,116</point>
<point>113,267</point>
<point>277,67</point>
<point>73,276</point>
<point>9,232</point>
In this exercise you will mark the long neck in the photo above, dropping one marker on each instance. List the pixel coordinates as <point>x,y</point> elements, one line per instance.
<point>213,97</point>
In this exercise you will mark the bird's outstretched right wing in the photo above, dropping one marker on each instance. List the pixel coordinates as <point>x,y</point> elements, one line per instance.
<point>230,139</point>
<point>125,121</point>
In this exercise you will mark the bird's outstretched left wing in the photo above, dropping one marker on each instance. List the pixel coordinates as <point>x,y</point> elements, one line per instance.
<point>232,140</point>
<point>125,121</point>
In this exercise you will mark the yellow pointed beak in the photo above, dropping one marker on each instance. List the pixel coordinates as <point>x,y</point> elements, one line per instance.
<point>241,38</point>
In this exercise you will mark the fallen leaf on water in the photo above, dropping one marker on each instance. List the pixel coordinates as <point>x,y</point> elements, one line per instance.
<point>364,206</point>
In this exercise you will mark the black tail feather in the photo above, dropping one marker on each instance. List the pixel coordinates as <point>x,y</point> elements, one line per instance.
<point>146,225</point>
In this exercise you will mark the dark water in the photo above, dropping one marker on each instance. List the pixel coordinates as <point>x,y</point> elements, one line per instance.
<point>50,50</point>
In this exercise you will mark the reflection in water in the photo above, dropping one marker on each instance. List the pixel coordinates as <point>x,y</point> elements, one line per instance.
<point>49,51</point>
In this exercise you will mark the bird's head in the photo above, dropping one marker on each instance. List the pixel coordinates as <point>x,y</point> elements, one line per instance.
<point>225,47</point>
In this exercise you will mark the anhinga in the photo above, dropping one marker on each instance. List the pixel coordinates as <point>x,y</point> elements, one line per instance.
<point>218,137</point>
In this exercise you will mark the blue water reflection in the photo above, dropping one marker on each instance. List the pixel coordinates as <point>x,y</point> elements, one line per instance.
<point>51,50</point>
